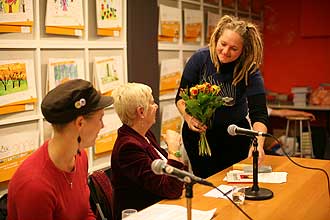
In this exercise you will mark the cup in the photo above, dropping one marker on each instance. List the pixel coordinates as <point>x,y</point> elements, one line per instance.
<point>128,212</point>
<point>238,194</point>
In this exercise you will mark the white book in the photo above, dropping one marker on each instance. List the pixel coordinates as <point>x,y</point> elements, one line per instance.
<point>193,20</point>
<point>171,117</point>
<point>64,13</point>
<point>108,72</point>
<point>15,147</point>
<point>301,89</point>
<point>109,14</point>
<point>170,75</point>
<point>108,134</point>
<point>20,11</point>
<point>299,95</point>
<point>212,21</point>
<point>169,23</point>
<point>18,82</point>
<point>63,69</point>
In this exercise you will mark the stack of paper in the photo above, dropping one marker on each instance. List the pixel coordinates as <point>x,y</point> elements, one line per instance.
<point>238,176</point>
<point>17,87</point>
<point>173,212</point>
<point>64,17</point>
<point>300,95</point>
<point>16,16</point>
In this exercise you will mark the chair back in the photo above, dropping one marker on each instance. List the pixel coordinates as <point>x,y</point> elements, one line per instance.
<point>101,194</point>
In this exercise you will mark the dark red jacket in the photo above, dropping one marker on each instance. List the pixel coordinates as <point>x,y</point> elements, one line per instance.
<point>134,183</point>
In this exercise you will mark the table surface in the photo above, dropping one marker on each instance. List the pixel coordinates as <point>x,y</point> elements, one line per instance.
<point>304,196</point>
<point>297,107</point>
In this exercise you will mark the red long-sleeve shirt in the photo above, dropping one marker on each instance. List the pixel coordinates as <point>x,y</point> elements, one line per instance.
<point>39,190</point>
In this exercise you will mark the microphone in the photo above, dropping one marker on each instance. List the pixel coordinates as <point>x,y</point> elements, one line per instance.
<point>160,167</point>
<point>235,130</point>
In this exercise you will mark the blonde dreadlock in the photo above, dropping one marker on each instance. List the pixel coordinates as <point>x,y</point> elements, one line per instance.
<point>251,57</point>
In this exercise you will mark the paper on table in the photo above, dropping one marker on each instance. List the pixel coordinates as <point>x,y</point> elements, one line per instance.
<point>238,176</point>
<point>215,193</point>
<point>173,212</point>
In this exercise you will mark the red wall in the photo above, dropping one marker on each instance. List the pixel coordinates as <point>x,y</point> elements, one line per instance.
<point>297,47</point>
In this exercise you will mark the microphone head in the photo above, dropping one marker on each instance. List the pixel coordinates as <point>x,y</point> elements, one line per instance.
<point>232,129</point>
<point>157,166</point>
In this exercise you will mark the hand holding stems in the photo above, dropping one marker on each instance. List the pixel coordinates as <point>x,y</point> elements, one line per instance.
<point>194,124</point>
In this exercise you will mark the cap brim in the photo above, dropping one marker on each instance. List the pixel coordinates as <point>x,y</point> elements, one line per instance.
<point>104,102</point>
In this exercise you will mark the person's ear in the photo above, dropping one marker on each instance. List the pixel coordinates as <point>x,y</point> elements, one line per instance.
<point>79,121</point>
<point>140,111</point>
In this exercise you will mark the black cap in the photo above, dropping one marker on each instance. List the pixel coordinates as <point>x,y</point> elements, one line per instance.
<point>70,99</point>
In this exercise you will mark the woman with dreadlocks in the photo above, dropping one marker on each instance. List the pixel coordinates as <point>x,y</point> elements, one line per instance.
<point>232,61</point>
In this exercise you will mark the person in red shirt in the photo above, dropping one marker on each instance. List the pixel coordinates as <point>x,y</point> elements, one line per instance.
<point>52,182</point>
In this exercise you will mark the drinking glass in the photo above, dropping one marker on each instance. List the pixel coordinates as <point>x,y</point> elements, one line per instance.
<point>128,212</point>
<point>238,194</point>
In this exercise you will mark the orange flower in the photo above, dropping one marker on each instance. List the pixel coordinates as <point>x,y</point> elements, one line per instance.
<point>193,91</point>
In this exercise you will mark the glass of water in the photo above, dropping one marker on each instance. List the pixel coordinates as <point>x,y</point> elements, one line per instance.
<point>128,212</point>
<point>238,194</point>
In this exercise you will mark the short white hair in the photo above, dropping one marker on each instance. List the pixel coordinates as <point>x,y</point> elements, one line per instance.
<point>128,97</point>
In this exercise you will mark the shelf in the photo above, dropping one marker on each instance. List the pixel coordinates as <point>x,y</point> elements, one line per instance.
<point>20,119</point>
<point>40,46</point>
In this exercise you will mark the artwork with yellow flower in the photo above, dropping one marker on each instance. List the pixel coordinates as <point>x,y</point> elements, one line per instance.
<point>201,102</point>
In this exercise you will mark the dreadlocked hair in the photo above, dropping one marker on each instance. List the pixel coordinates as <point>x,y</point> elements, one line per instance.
<point>251,57</point>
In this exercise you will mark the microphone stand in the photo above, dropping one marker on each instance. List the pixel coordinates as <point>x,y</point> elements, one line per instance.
<point>254,192</point>
<point>189,195</point>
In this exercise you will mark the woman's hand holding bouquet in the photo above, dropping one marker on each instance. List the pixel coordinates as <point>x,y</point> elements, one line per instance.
<point>201,102</point>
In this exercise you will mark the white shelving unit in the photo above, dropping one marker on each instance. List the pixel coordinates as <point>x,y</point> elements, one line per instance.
<point>183,50</point>
<point>40,46</point>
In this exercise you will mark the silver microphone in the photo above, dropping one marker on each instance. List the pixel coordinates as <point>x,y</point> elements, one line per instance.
<point>160,167</point>
<point>235,130</point>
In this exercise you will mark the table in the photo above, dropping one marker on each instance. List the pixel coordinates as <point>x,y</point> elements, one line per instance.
<point>303,196</point>
<point>322,113</point>
<point>320,127</point>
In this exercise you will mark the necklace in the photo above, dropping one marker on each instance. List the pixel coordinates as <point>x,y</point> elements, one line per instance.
<point>67,180</point>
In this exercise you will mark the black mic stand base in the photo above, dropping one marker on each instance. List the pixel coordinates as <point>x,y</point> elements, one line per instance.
<point>261,194</point>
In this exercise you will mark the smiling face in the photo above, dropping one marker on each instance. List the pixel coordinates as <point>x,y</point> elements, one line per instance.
<point>229,46</point>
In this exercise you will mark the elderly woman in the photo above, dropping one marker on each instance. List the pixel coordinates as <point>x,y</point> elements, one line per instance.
<point>52,182</point>
<point>135,185</point>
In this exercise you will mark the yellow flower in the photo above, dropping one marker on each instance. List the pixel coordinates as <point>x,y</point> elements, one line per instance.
<point>215,89</point>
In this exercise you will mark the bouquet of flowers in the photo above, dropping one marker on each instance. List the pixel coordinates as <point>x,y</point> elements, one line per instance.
<point>201,102</point>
